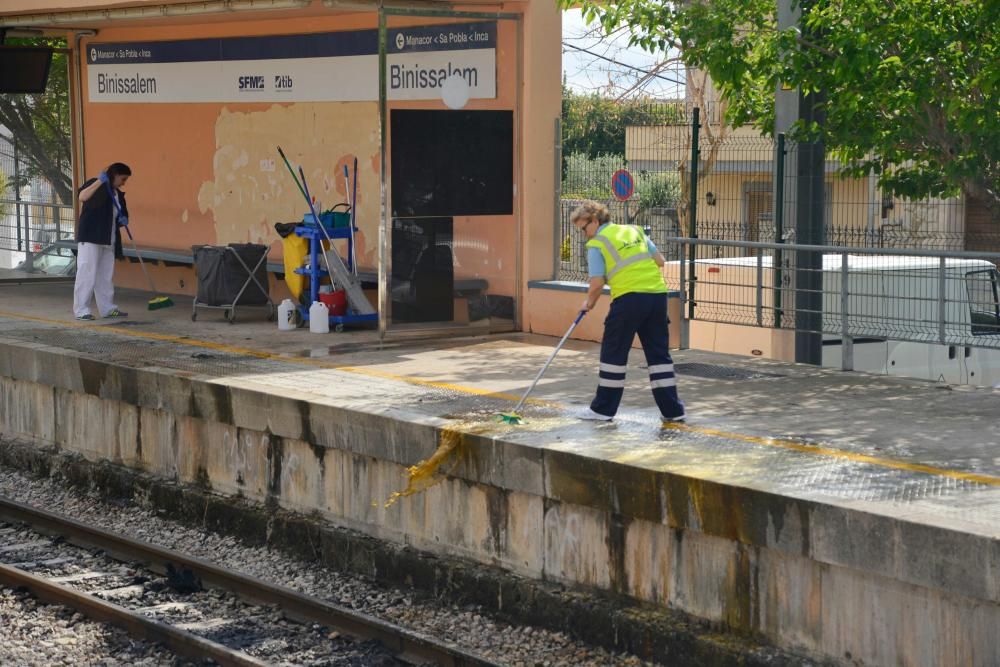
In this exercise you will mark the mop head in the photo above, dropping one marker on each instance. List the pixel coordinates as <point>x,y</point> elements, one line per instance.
<point>158,302</point>
<point>510,418</point>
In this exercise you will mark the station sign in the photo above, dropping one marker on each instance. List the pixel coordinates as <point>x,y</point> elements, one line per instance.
<point>313,67</point>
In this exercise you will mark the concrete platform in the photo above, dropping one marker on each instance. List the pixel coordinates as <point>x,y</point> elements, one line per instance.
<point>840,515</point>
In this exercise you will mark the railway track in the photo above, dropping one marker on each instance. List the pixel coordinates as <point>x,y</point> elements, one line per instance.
<point>196,609</point>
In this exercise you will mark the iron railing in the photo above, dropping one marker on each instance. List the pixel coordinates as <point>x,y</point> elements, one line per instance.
<point>31,215</point>
<point>940,298</point>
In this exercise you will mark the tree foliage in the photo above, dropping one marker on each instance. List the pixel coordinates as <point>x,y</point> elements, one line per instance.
<point>41,125</point>
<point>912,87</point>
<point>593,124</point>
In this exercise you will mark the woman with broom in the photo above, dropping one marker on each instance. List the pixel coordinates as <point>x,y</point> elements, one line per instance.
<point>98,235</point>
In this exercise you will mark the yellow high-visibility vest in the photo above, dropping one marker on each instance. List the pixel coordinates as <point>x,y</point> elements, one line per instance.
<point>630,266</point>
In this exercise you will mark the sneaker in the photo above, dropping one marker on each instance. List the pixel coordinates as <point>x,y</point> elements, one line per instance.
<point>88,317</point>
<point>116,313</point>
<point>590,415</point>
<point>674,420</point>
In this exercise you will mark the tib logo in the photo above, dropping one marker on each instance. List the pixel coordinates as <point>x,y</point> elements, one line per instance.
<point>400,41</point>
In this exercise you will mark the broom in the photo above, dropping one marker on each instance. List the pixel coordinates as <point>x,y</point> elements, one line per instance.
<point>513,417</point>
<point>157,302</point>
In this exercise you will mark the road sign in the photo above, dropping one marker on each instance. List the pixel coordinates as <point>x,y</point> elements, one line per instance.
<point>622,185</point>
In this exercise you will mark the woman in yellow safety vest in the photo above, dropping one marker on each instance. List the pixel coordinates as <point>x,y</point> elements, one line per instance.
<point>625,259</point>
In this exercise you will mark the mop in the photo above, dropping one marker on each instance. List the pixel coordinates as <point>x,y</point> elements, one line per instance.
<point>355,296</point>
<point>157,302</point>
<point>354,202</point>
<point>513,417</point>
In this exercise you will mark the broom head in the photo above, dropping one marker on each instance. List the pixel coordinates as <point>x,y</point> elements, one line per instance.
<point>158,302</point>
<point>510,418</point>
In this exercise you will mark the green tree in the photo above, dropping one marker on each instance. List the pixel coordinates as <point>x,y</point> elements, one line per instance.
<point>593,124</point>
<point>41,125</point>
<point>912,86</point>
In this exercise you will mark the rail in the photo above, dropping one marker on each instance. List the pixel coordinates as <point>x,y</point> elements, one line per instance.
<point>405,644</point>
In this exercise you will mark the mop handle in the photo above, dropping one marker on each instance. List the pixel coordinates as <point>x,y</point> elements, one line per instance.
<point>292,172</point>
<point>551,357</point>
<point>354,217</point>
<point>347,188</point>
<point>152,287</point>
<point>319,223</point>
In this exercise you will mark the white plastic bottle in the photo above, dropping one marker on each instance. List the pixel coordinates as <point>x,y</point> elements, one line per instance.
<point>286,315</point>
<point>319,318</point>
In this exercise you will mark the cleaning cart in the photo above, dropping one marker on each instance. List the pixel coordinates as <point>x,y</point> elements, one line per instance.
<point>231,276</point>
<point>337,225</point>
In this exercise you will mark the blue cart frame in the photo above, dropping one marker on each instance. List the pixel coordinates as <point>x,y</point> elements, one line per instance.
<point>317,273</point>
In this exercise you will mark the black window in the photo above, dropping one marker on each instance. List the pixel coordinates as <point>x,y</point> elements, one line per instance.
<point>984,306</point>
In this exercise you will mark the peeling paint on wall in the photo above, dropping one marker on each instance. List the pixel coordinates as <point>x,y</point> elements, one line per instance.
<point>251,188</point>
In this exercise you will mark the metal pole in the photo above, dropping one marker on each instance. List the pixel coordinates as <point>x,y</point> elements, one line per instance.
<point>558,231</point>
<point>779,225</point>
<point>941,300</point>
<point>760,289</point>
<point>693,206</point>
<point>809,227</point>
<point>21,238</point>
<point>685,322</point>
<point>846,341</point>
<point>384,230</point>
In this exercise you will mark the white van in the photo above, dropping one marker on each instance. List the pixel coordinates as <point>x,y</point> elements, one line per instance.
<point>894,311</point>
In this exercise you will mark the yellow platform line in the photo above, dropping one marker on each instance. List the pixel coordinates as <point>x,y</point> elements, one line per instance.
<point>854,457</point>
<point>818,450</point>
<point>259,354</point>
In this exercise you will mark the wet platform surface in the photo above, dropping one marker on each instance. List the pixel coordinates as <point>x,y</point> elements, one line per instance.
<point>909,449</point>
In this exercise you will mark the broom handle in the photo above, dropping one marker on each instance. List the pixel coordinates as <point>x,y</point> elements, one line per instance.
<point>142,264</point>
<point>551,357</point>
<point>152,287</point>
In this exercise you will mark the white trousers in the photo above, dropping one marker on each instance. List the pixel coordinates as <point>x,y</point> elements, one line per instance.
<point>95,269</point>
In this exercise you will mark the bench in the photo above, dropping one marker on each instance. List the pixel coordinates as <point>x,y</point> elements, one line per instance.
<point>167,257</point>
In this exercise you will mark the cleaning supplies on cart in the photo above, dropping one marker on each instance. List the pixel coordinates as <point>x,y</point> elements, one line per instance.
<point>335,301</point>
<point>319,318</point>
<point>286,315</point>
<point>295,250</point>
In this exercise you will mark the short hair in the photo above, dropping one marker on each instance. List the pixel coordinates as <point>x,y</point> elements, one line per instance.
<point>118,169</point>
<point>591,209</point>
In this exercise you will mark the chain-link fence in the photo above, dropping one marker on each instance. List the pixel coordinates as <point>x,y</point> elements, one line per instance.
<point>710,181</point>
<point>31,215</point>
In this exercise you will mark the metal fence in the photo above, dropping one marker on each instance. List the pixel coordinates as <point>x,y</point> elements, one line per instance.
<point>31,215</point>
<point>947,302</point>
<point>742,189</point>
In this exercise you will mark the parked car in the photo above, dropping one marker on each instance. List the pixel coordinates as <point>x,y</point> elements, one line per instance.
<point>51,260</point>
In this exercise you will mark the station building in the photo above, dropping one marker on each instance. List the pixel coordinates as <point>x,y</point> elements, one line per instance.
<point>439,121</point>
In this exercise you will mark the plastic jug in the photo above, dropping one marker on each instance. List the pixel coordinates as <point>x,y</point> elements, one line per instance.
<point>319,318</point>
<point>286,315</point>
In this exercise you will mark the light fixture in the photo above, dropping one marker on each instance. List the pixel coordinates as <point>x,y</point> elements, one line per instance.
<point>710,198</point>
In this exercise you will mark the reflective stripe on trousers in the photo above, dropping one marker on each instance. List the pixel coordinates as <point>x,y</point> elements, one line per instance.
<point>646,315</point>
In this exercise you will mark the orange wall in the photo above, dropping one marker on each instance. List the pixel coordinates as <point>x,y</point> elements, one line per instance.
<point>199,173</point>
<point>552,311</point>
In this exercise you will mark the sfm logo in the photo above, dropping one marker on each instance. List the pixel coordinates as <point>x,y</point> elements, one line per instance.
<point>251,83</point>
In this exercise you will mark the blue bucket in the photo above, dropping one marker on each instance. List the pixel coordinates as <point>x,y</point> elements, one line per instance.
<point>330,219</point>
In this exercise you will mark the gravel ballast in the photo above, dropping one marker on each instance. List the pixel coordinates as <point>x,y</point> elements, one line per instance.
<point>34,633</point>
<point>468,627</point>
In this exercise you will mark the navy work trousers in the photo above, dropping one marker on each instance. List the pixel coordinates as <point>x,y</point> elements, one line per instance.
<point>644,314</point>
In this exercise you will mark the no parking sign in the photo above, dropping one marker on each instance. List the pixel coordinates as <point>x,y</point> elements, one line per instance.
<point>622,185</point>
